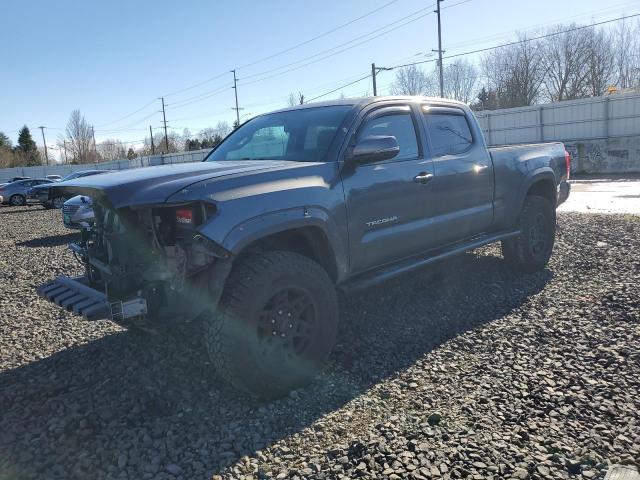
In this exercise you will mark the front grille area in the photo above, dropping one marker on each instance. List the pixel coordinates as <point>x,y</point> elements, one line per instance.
<point>70,209</point>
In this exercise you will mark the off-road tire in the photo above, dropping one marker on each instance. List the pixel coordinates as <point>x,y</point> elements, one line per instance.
<point>60,200</point>
<point>48,205</point>
<point>235,337</point>
<point>17,200</point>
<point>530,251</point>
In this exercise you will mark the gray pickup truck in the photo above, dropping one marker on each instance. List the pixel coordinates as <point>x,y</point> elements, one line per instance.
<point>293,204</point>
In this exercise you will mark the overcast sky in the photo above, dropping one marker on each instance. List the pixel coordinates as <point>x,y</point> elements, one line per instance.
<point>109,59</point>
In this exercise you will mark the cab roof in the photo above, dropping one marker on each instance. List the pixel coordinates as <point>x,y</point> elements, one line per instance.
<point>361,102</point>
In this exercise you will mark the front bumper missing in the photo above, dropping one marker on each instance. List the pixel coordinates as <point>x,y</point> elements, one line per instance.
<point>74,295</point>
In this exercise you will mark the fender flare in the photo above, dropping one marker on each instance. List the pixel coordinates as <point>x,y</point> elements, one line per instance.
<point>535,176</point>
<point>270,223</point>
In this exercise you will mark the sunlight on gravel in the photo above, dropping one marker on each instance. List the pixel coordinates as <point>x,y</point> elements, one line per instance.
<point>465,370</point>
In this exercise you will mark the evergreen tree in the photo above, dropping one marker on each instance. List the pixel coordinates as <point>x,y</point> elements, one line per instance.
<point>5,142</point>
<point>26,149</point>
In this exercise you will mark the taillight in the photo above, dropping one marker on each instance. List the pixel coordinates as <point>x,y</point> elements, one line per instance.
<point>567,161</point>
<point>184,216</point>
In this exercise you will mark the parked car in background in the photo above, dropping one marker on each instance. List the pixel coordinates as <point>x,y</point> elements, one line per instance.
<point>77,212</point>
<point>15,179</point>
<point>41,193</point>
<point>55,178</point>
<point>16,193</point>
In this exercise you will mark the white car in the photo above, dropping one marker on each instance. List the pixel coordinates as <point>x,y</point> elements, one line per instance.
<point>77,212</point>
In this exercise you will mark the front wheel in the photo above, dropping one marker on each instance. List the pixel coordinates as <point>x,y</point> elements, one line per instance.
<point>276,323</point>
<point>17,200</point>
<point>531,249</point>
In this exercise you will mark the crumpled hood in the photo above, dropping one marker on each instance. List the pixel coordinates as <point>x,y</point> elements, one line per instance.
<point>150,185</point>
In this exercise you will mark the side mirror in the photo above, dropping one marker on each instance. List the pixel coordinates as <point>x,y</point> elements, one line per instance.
<point>375,148</point>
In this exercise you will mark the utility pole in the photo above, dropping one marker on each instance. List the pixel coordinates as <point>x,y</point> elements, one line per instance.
<point>235,89</point>
<point>95,147</point>
<point>374,72</point>
<point>164,118</point>
<point>373,78</point>
<point>153,148</point>
<point>440,51</point>
<point>46,156</point>
<point>64,142</point>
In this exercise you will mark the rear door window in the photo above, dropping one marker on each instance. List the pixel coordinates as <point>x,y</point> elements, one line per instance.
<point>449,133</point>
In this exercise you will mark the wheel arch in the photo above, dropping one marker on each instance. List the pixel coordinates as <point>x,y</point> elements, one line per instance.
<point>541,181</point>
<point>308,232</point>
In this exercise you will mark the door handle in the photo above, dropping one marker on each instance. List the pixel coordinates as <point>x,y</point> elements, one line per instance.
<point>423,177</point>
<point>478,167</point>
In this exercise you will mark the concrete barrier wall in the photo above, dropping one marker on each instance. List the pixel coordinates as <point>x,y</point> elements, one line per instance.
<point>615,155</point>
<point>601,133</point>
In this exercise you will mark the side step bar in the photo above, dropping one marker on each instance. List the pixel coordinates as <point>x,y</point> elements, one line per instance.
<point>74,295</point>
<point>391,271</point>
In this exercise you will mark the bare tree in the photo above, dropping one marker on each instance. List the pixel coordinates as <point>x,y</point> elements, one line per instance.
<point>112,149</point>
<point>566,58</point>
<point>515,73</point>
<point>412,81</point>
<point>600,62</point>
<point>294,100</point>
<point>79,138</point>
<point>626,46</point>
<point>460,80</point>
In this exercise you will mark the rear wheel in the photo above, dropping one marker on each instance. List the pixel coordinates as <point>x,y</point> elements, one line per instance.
<point>276,323</point>
<point>17,200</point>
<point>58,202</point>
<point>531,249</point>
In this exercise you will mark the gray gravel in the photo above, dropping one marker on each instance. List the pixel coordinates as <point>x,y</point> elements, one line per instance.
<point>463,371</point>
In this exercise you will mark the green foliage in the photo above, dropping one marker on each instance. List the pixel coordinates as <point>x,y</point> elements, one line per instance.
<point>25,140</point>
<point>212,141</point>
<point>190,144</point>
<point>26,152</point>
<point>5,142</point>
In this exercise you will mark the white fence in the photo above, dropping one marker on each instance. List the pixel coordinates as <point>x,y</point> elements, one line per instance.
<point>62,170</point>
<point>596,118</point>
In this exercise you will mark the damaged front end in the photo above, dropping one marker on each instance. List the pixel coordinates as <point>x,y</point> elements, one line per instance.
<point>144,264</point>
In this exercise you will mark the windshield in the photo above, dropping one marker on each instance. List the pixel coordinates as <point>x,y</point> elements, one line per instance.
<point>302,135</point>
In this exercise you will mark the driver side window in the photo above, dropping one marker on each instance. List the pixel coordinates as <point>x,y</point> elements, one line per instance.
<point>265,142</point>
<point>398,125</point>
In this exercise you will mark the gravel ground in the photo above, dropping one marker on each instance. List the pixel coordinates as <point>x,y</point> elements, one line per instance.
<point>462,371</point>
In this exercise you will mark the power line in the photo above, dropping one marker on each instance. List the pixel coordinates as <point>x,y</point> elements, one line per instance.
<point>306,42</point>
<point>341,48</point>
<point>128,115</point>
<point>202,95</point>
<point>215,77</point>
<point>509,33</point>
<point>281,52</point>
<point>482,50</point>
<point>339,88</point>
<point>517,42</point>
